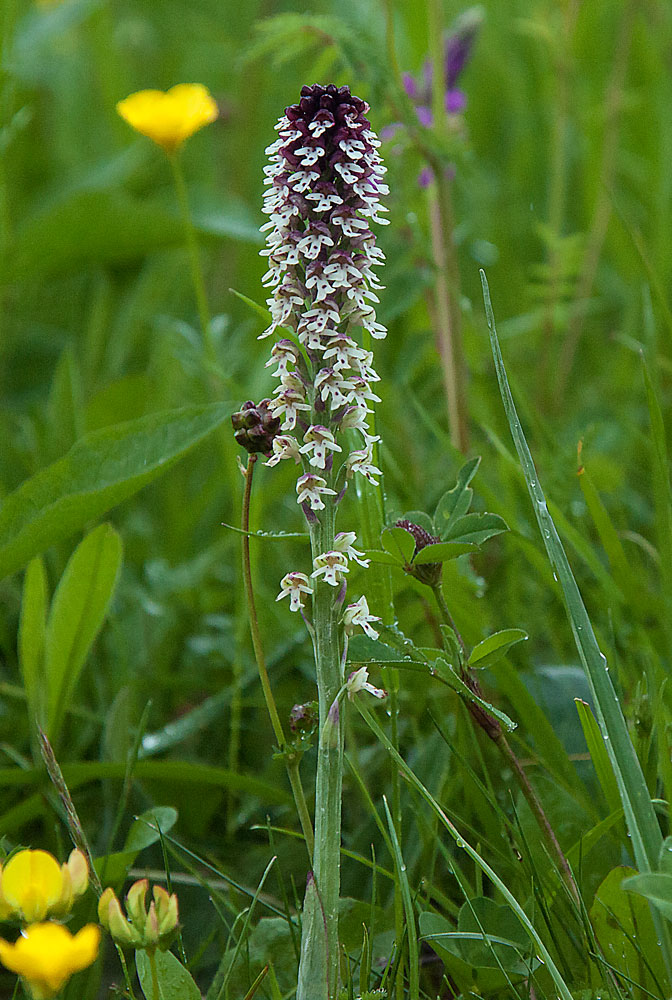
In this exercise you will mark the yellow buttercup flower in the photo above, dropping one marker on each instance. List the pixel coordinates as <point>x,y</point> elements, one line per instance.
<point>46,955</point>
<point>34,885</point>
<point>170,117</point>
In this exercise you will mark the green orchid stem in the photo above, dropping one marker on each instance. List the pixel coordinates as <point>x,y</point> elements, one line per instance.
<point>151,955</point>
<point>496,734</point>
<point>291,761</point>
<point>329,778</point>
<point>194,259</point>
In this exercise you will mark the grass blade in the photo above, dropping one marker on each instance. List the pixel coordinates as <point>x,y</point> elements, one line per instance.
<point>637,806</point>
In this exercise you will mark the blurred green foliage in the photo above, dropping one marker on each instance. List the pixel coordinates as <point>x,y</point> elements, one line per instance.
<point>562,191</point>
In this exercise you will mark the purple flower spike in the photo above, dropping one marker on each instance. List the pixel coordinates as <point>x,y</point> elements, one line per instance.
<point>325,180</point>
<point>455,101</point>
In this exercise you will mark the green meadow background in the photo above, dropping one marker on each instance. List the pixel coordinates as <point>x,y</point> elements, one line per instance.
<point>562,192</point>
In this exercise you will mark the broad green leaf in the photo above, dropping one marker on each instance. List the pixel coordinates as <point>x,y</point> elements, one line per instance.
<point>442,551</point>
<point>384,558</point>
<point>625,931</point>
<point>77,613</point>
<point>474,528</point>
<point>640,816</point>
<point>99,471</point>
<point>361,649</point>
<point>145,829</point>
<point>399,543</point>
<point>489,650</point>
<point>456,502</point>
<point>174,981</point>
<point>91,227</point>
<point>32,629</point>
<point>656,887</point>
<point>486,951</point>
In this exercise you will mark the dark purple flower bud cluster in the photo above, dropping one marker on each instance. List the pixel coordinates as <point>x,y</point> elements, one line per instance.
<point>429,573</point>
<point>255,427</point>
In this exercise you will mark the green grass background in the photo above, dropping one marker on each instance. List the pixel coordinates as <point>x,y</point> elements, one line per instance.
<point>562,192</point>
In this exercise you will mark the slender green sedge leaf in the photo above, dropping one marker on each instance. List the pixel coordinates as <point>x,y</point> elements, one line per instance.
<point>578,852</point>
<point>598,754</point>
<point>32,629</point>
<point>639,813</point>
<point>409,914</point>
<point>661,496</point>
<point>443,671</point>
<point>313,964</point>
<point>492,649</point>
<point>618,561</point>
<point>77,613</point>
<point>254,306</point>
<point>460,842</point>
<point>102,469</point>
<point>242,937</point>
<point>371,523</point>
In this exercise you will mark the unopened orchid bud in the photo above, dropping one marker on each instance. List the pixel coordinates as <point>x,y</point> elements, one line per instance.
<point>255,427</point>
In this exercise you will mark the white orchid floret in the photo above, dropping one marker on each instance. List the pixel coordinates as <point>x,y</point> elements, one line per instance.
<point>359,681</point>
<point>344,542</point>
<point>318,440</point>
<point>330,382</point>
<point>360,391</point>
<point>296,585</point>
<point>311,489</point>
<point>330,567</point>
<point>289,403</point>
<point>362,461</point>
<point>355,418</point>
<point>284,446</point>
<point>358,614</point>
<point>283,354</point>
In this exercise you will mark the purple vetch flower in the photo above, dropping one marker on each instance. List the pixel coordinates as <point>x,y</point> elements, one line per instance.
<point>457,50</point>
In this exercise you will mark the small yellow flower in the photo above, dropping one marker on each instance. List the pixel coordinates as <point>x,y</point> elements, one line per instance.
<point>46,955</point>
<point>170,117</point>
<point>33,885</point>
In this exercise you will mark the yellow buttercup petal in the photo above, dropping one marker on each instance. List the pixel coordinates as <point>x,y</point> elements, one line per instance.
<point>31,884</point>
<point>47,954</point>
<point>170,117</point>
